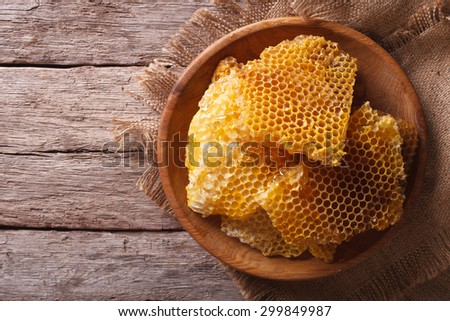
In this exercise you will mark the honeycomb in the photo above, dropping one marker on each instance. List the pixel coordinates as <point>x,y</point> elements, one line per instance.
<point>323,252</point>
<point>329,205</point>
<point>329,175</point>
<point>225,67</point>
<point>258,232</point>
<point>227,178</point>
<point>410,141</point>
<point>300,91</point>
<point>219,109</point>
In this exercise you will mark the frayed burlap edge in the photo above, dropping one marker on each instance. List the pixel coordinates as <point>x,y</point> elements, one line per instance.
<point>423,19</point>
<point>207,26</point>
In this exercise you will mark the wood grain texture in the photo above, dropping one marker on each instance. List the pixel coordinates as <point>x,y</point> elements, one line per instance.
<point>51,265</point>
<point>45,109</point>
<point>89,33</point>
<point>383,83</point>
<point>54,124</point>
<point>76,191</point>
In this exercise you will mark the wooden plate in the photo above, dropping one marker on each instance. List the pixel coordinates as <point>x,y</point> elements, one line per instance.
<point>379,80</point>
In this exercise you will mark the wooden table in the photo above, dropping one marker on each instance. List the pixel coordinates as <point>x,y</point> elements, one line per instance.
<point>71,226</point>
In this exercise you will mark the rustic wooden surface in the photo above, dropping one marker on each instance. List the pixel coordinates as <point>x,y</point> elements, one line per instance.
<point>80,265</point>
<point>72,226</point>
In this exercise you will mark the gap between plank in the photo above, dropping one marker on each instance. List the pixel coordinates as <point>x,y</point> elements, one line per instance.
<point>44,153</point>
<point>68,66</point>
<point>61,229</point>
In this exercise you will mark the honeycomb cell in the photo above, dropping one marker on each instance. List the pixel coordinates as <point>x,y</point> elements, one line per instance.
<point>300,91</point>
<point>336,203</point>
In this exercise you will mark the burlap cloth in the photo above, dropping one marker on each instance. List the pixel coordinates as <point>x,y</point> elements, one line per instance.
<point>415,264</point>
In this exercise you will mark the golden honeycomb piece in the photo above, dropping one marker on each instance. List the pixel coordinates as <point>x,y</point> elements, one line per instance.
<point>258,232</point>
<point>329,205</point>
<point>226,174</point>
<point>300,91</point>
<point>323,252</point>
<point>225,67</point>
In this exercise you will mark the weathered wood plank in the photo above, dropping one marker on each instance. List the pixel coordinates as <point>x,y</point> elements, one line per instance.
<point>75,265</point>
<point>70,110</point>
<point>76,191</point>
<point>89,33</point>
<point>65,109</point>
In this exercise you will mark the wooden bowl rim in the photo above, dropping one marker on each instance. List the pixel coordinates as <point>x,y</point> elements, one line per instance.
<point>293,272</point>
